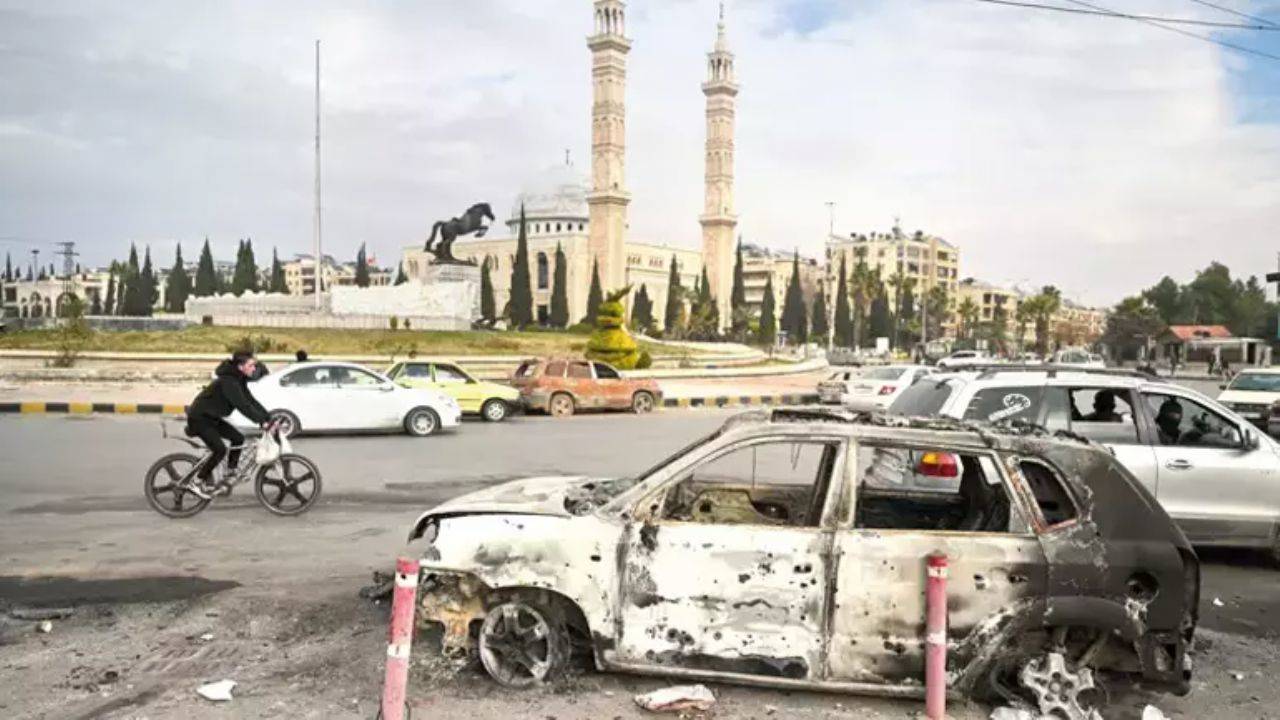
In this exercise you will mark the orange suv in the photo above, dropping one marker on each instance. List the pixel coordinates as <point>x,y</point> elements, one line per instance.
<point>562,386</point>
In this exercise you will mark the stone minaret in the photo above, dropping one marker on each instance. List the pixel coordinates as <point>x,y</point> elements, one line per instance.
<point>718,219</point>
<point>609,197</point>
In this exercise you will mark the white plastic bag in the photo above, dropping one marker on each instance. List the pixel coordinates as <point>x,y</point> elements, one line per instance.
<point>268,450</point>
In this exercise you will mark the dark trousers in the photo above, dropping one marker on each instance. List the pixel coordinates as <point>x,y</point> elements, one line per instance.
<point>212,431</point>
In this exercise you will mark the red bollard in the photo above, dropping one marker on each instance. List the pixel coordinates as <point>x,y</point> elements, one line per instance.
<point>403,598</point>
<point>935,643</point>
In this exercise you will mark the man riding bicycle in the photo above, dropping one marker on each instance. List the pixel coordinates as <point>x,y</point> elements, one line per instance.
<point>228,392</point>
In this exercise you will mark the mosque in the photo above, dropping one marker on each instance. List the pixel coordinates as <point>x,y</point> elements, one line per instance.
<point>587,217</point>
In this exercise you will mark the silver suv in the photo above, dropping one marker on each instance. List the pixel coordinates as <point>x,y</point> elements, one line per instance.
<point>1212,470</point>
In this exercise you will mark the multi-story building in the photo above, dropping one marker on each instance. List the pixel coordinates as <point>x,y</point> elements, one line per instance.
<point>300,274</point>
<point>759,265</point>
<point>44,298</point>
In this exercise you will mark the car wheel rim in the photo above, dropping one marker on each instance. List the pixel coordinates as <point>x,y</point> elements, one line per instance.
<point>560,406</point>
<point>643,403</point>
<point>495,411</point>
<point>423,424</point>
<point>515,644</point>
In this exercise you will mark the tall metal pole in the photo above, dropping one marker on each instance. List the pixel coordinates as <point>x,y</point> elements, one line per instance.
<point>319,257</point>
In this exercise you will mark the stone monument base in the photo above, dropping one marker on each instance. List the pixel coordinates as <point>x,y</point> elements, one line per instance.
<point>447,298</point>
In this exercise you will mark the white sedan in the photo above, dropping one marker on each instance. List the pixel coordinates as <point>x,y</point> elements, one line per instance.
<point>338,396</point>
<point>874,388</point>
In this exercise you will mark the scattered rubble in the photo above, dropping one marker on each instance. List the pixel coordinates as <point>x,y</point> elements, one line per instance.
<point>217,691</point>
<point>1217,602</point>
<point>45,627</point>
<point>41,613</point>
<point>677,698</point>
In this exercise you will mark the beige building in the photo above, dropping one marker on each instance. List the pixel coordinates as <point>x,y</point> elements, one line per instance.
<point>760,264</point>
<point>300,274</point>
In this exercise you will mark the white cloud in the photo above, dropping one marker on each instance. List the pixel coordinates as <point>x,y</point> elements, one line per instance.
<point>1090,153</point>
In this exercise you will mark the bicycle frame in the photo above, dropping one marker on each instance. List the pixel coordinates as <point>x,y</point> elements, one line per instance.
<point>239,476</point>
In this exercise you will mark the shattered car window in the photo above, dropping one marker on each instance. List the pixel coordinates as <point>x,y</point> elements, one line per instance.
<point>771,483</point>
<point>910,489</point>
<point>1051,495</point>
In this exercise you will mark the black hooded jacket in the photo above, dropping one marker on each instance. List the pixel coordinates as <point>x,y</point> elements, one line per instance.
<point>229,391</point>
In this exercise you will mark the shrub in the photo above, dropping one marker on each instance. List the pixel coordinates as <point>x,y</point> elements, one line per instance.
<point>406,323</point>
<point>255,344</point>
<point>645,361</point>
<point>395,323</point>
<point>72,335</point>
<point>611,342</point>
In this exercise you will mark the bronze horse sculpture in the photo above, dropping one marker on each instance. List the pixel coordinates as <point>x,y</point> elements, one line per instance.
<point>471,221</point>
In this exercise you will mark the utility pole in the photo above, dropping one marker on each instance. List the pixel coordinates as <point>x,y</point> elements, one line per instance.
<point>35,264</point>
<point>68,252</point>
<point>319,257</point>
<point>1275,278</point>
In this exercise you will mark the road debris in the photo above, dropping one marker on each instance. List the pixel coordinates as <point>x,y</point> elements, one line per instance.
<point>1217,602</point>
<point>1008,713</point>
<point>41,613</point>
<point>676,698</point>
<point>1151,712</point>
<point>217,691</point>
<point>45,627</point>
<point>206,637</point>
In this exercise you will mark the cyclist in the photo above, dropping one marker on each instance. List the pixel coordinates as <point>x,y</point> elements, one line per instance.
<point>229,391</point>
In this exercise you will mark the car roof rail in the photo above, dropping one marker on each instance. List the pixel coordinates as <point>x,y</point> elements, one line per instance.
<point>989,371</point>
<point>807,413</point>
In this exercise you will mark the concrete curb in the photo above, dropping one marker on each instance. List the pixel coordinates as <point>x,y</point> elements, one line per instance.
<point>87,408</point>
<point>722,401</point>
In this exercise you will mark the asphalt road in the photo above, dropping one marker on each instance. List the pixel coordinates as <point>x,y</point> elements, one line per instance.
<point>72,512</point>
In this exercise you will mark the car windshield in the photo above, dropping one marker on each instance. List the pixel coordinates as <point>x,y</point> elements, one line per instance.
<point>1256,382</point>
<point>675,456</point>
<point>882,374</point>
<point>923,399</point>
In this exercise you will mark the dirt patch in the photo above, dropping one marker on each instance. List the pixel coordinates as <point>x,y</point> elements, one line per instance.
<point>49,591</point>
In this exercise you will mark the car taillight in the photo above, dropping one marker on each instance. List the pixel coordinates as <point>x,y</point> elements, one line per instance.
<point>938,464</point>
<point>887,389</point>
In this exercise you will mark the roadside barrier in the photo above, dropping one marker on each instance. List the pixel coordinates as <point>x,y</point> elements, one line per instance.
<point>935,647</point>
<point>741,400</point>
<point>395,686</point>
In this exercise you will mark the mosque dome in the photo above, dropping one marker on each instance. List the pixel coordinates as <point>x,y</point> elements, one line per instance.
<point>558,193</point>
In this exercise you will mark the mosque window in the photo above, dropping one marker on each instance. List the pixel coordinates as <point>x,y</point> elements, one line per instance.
<point>542,271</point>
<point>557,227</point>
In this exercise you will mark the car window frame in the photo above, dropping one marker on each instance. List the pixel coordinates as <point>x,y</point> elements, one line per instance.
<point>595,374</point>
<point>646,507</point>
<point>379,380</point>
<point>1136,404</point>
<point>1040,525</point>
<point>466,379</point>
<point>1209,405</point>
<point>991,462</point>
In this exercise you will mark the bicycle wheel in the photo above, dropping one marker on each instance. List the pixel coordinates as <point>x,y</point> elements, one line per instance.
<point>288,486</point>
<point>162,486</point>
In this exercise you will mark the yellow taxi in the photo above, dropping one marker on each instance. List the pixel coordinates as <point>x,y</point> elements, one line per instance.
<point>492,401</point>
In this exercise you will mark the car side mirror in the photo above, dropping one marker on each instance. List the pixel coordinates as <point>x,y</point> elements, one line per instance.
<point>387,387</point>
<point>1249,440</point>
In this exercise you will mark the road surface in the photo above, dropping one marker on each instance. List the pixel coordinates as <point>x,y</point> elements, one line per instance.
<point>276,597</point>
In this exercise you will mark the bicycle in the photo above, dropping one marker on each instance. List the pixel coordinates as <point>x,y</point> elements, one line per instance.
<point>293,477</point>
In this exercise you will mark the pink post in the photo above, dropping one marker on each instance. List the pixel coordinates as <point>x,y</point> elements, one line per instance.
<point>935,643</point>
<point>403,598</point>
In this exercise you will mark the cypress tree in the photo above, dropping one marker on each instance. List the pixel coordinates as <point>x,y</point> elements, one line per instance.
<point>880,323</point>
<point>245,277</point>
<point>131,285</point>
<point>768,325</point>
<point>362,268</point>
<point>595,295</point>
<point>150,286</point>
<point>844,314</point>
<point>704,288</point>
<point>8,268</point>
<point>794,317</point>
<point>110,307</point>
<point>819,317</point>
<point>44,274</point>
<point>277,283</point>
<point>178,285</point>
<point>671,315</point>
<point>559,316</point>
<point>206,275</point>
<point>95,308</point>
<point>642,311</point>
<point>488,306</point>
<point>401,278</point>
<point>30,277</point>
<point>521,291</point>
<point>738,298</point>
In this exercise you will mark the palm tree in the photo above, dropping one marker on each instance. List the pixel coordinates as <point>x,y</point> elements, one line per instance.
<point>1049,301</point>
<point>863,285</point>
<point>968,312</point>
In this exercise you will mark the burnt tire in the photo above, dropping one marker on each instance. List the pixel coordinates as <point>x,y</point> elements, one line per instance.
<point>643,402</point>
<point>286,422</point>
<point>524,643</point>
<point>495,410</point>
<point>561,405</point>
<point>161,486</point>
<point>421,422</point>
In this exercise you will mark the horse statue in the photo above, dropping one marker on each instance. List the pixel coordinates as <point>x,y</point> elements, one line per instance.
<point>472,221</point>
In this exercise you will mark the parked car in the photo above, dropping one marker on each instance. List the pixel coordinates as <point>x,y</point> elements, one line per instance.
<point>788,548</point>
<point>329,396</point>
<point>1214,472</point>
<point>563,386</point>
<point>1078,358</point>
<point>492,401</point>
<point>872,388</point>
<point>1251,393</point>
<point>965,358</point>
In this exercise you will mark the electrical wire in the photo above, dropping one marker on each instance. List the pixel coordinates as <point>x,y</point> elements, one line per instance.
<point>1180,31</point>
<point>1237,13</point>
<point>1271,27</point>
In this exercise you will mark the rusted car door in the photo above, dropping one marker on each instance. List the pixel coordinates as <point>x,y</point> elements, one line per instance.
<point>729,573</point>
<point>580,381</point>
<point>614,391</point>
<point>878,611</point>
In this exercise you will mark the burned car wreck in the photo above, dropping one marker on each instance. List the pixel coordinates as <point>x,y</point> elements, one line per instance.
<point>788,549</point>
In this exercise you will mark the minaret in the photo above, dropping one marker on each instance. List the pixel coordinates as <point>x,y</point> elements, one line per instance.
<point>718,220</point>
<point>608,198</point>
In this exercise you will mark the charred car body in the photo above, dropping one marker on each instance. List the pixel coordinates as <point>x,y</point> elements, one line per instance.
<point>788,549</point>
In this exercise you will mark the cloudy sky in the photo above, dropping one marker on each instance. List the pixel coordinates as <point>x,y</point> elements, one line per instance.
<point>1093,153</point>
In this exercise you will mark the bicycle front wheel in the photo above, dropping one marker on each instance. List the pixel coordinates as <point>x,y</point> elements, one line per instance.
<point>165,486</point>
<point>288,486</point>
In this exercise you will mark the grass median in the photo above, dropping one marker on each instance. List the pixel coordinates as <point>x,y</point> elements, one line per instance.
<point>321,341</point>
